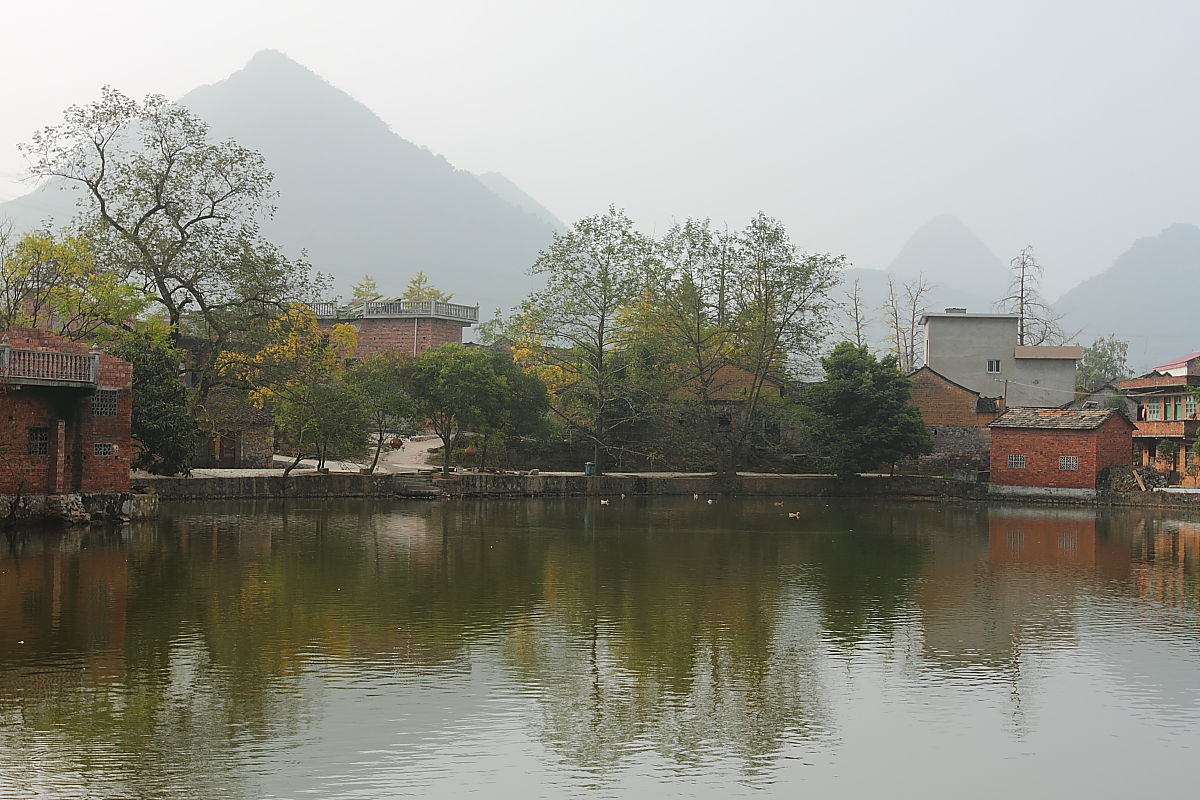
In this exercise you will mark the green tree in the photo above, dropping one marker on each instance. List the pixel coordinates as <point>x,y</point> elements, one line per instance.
<point>379,383</point>
<point>521,414</point>
<point>163,425</point>
<point>420,289</point>
<point>365,290</point>
<point>861,417</point>
<point>1106,361</point>
<point>744,304</point>
<point>570,332</point>
<point>55,283</point>
<point>178,214</point>
<point>299,375</point>
<point>458,389</point>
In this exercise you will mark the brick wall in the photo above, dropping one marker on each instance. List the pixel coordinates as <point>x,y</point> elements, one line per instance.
<point>380,335</point>
<point>1096,449</point>
<point>72,464</point>
<point>943,403</point>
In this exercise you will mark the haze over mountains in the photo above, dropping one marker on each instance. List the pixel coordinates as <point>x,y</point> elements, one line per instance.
<point>361,199</point>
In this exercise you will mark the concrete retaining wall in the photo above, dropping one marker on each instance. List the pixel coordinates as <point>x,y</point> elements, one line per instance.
<point>255,486</point>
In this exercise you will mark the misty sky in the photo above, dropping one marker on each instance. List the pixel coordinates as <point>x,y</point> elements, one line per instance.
<point>1071,126</point>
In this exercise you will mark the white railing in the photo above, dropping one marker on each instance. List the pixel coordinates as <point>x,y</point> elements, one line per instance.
<point>48,365</point>
<point>325,309</point>
<point>420,308</point>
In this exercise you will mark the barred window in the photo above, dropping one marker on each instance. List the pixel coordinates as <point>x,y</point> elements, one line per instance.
<point>1016,461</point>
<point>39,441</point>
<point>993,365</point>
<point>104,403</point>
<point>102,448</point>
<point>1068,463</point>
<point>1189,407</point>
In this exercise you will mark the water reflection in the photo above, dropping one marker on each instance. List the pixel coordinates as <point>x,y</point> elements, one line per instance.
<point>257,649</point>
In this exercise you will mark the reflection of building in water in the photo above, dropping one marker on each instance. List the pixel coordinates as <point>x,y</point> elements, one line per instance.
<point>1058,537</point>
<point>1168,552</point>
<point>54,594</point>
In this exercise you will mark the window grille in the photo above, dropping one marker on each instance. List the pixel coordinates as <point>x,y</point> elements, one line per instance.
<point>1189,407</point>
<point>102,449</point>
<point>1154,410</point>
<point>1068,463</point>
<point>1016,461</point>
<point>993,365</point>
<point>39,441</point>
<point>104,403</point>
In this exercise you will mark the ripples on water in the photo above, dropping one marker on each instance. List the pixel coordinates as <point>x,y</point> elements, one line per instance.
<point>648,648</point>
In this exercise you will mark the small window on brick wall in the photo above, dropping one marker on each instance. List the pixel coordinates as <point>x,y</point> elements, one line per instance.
<point>39,441</point>
<point>1016,461</point>
<point>102,449</point>
<point>1068,463</point>
<point>104,403</point>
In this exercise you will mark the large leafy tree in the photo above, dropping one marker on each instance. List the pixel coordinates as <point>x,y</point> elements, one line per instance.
<point>176,213</point>
<point>742,308</point>
<point>300,376</point>
<point>379,383</point>
<point>570,332</point>
<point>1106,361</point>
<point>459,388</point>
<point>861,417</point>
<point>163,426</point>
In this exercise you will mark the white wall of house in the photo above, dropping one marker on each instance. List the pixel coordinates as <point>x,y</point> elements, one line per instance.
<point>980,351</point>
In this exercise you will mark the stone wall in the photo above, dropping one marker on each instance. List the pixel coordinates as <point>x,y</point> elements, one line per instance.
<point>78,509</point>
<point>340,484</point>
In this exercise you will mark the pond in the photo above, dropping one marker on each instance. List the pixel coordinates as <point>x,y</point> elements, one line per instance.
<point>648,647</point>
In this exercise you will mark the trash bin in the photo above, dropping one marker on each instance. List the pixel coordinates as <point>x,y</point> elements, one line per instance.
<point>589,468</point>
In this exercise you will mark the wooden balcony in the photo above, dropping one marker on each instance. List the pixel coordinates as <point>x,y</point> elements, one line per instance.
<point>1166,429</point>
<point>47,367</point>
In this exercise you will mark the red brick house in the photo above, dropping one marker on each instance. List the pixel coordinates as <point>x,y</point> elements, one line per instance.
<point>1166,420</point>
<point>957,419</point>
<point>1057,451</point>
<point>65,412</point>
<point>409,327</point>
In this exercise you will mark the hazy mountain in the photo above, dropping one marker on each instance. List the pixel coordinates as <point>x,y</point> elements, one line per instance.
<point>509,191</point>
<point>359,198</point>
<point>957,267</point>
<point>951,256</point>
<point>1147,297</point>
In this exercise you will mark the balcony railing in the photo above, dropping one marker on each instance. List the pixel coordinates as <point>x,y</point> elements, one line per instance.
<point>421,308</point>
<point>48,367</point>
<point>325,309</point>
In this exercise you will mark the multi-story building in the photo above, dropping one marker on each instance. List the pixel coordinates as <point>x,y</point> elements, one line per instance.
<point>1166,419</point>
<point>409,327</point>
<point>65,416</point>
<point>982,352</point>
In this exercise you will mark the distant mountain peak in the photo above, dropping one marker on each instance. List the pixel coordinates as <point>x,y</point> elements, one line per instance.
<point>948,253</point>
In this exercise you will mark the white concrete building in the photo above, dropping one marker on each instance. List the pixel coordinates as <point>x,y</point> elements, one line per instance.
<point>980,352</point>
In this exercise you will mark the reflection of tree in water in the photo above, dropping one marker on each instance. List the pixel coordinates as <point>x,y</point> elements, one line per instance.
<point>684,645</point>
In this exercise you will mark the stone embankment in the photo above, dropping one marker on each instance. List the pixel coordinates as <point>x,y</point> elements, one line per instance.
<point>334,484</point>
<point>78,509</point>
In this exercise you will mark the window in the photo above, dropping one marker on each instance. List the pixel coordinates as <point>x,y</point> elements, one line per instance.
<point>104,403</point>
<point>1016,461</point>
<point>1154,409</point>
<point>1189,407</point>
<point>993,365</point>
<point>39,441</point>
<point>1068,463</point>
<point>102,449</point>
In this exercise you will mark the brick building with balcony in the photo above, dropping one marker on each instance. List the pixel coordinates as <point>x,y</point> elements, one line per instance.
<point>409,327</point>
<point>1057,451</point>
<point>1166,419</point>
<point>65,415</point>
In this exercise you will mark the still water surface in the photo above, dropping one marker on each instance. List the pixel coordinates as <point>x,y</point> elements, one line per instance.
<point>649,648</point>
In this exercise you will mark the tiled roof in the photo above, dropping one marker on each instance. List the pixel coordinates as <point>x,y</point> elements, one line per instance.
<point>1063,419</point>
